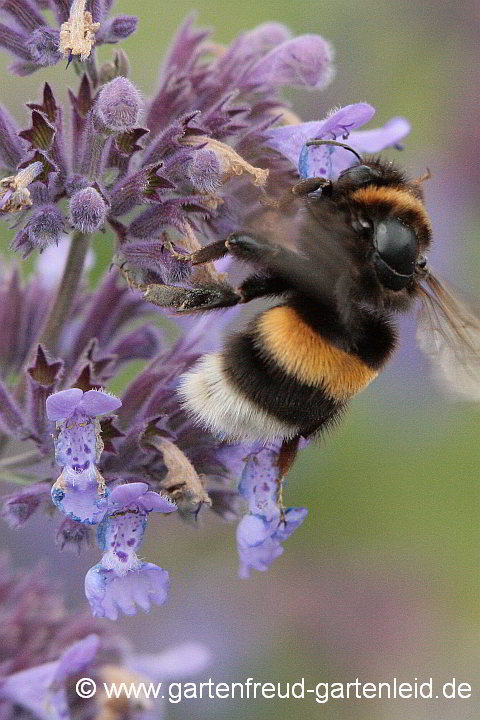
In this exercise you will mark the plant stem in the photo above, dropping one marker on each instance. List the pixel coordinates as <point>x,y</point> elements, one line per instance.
<point>66,292</point>
<point>26,458</point>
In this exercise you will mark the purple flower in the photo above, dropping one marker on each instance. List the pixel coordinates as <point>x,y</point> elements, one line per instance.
<point>261,532</point>
<point>80,490</point>
<point>42,689</point>
<point>120,579</point>
<point>109,593</point>
<point>328,161</point>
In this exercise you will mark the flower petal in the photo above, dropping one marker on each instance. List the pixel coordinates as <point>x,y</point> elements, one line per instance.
<point>76,658</point>
<point>176,662</point>
<point>290,139</point>
<point>127,494</point>
<point>294,517</point>
<point>330,161</point>
<point>108,593</point>
<point>97,402</point>
<point>61,405</point>
<point>81,501</point>
<point>372,141</point>
<point>155,502</point>
<point>258,484</point>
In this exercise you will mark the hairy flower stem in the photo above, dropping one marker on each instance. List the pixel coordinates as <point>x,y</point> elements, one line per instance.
<point>93,157</point>
<point>66,292</point>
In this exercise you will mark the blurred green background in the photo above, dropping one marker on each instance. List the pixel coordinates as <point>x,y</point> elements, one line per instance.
<point>382,580</point>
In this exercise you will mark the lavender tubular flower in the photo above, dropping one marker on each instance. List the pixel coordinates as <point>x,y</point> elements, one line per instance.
<point>121,580</point>
<point>329,161</point>
<point>261,532</point>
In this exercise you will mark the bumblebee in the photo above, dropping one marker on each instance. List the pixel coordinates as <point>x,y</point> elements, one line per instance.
<point>358,258</point>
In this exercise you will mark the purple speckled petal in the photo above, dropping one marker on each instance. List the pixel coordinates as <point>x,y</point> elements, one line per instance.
<point>290,139</point>
<point>76,442</point>
<point>61,405</point>
<point>109,594</point>
<point>174,663</point>
<point>119,536</point>
<point>80,499</point>
<point>97,402</point>
<point>258,484</point>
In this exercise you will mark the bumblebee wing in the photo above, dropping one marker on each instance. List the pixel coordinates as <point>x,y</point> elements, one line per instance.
<point>449,333</point>
<point>310,249</point>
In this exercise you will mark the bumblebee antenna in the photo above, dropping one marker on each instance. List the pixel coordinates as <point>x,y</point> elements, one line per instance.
<point>334,142</point>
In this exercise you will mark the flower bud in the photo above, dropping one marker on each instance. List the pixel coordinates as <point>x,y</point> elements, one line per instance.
<point>88,210</point>
<point>118,28</point>
<point>43,229</point>
<point>118,106</point>
<point>204,171</point>
<point>21,505</point>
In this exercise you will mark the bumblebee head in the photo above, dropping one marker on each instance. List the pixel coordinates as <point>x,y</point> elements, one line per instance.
<point>395,253</point>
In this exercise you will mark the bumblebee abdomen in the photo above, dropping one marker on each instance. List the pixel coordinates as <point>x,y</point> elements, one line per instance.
<point>284,338</point>
<point>277,379</point>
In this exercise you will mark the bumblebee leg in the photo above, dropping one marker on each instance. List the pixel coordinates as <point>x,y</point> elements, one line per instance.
<point>205,297</point>
<point>209,253</point>
<point>286,458</point>
<point>257,286</point>
<point>288,453</point>
<point>312,185</point>
<point>249,248</point>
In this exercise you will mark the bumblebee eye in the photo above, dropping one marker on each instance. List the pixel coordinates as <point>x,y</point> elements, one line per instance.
<point>360,174</point>
<point>396,252</point>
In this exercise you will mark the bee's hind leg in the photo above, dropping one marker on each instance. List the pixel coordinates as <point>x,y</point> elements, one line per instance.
<point>286,458</point>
